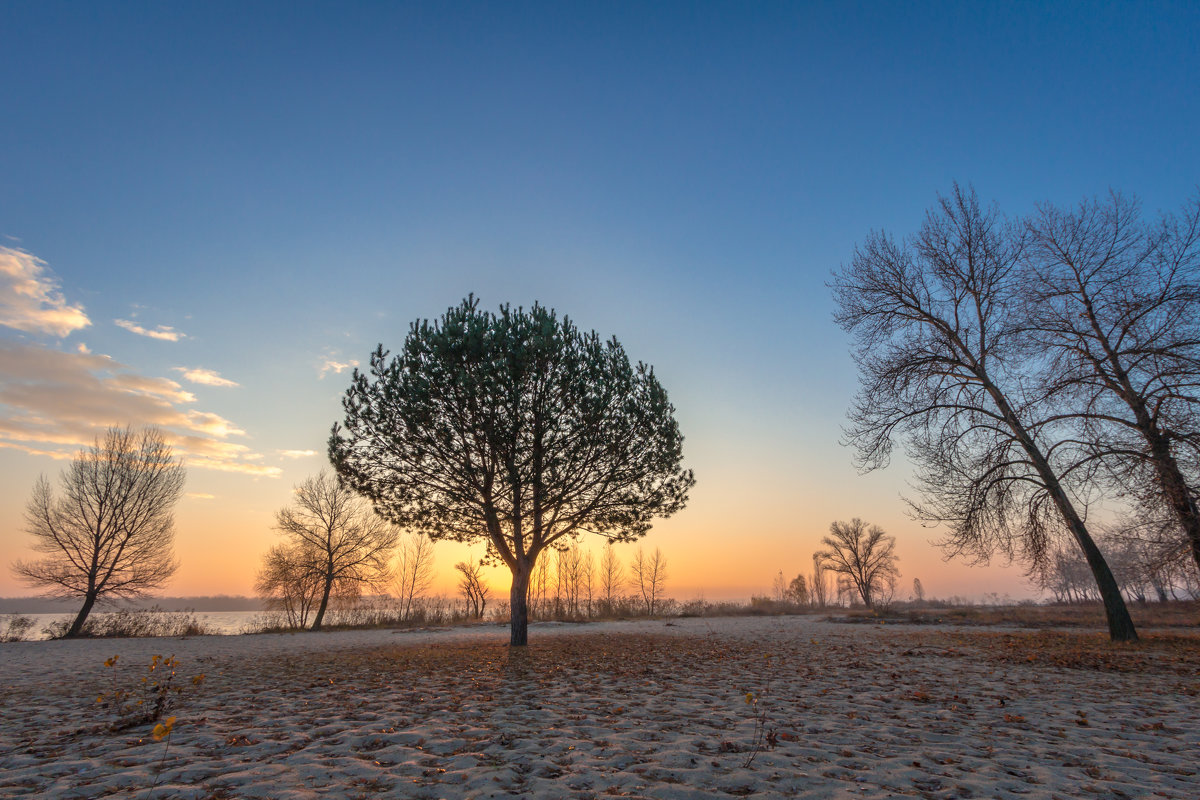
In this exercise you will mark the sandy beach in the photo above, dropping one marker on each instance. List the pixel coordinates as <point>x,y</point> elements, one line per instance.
<point>655,709</point>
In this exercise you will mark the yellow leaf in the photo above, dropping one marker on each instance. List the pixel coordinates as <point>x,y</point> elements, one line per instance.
<point>197,680</point>
<point>111,661</point>
<point>159,732</point>
<point>749,697</point>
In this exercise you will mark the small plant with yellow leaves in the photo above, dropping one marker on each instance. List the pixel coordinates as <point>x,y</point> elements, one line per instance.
<point>764,737</point>
<point>149,699</point>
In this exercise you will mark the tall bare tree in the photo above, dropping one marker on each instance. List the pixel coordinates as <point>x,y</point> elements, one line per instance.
<point>797,591</point>
<point>414,570</point>
<point>111,532</point>
<point>342,534</point>
<point>290,581</point>
<point>515,428</point>
<point>944,364</point>
<point>474,590</point>
<point>863,554</point>
<point>820,588</point>
<point>1116,301</point>
<point>650,575</point>
<point>612,578</point>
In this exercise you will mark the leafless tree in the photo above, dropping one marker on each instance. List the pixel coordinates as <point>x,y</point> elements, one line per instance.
<point>587,580</point>
<point>538,587</point>
<point>820,588</point>
<point>475,591</point>
<point>290,582</point>
<point>863,554</point>
<point>944,364</point>
<point>918,591</point>
<point>612,578</point>
<point>797,591</point>
<point>342,533</point>
<point>414,570</point>
<point>111,532</point>
<point>779,588</point>
<point>650,574</point>
<point>1116,301</point>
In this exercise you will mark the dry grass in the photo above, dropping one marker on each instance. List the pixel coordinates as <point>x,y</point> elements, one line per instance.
<point>1090,616</point>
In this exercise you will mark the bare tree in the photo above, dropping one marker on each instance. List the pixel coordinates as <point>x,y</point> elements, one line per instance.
<point>820,588</point>
<point>918,591</point>
<point>797,591</point>
<point>612,578</point>
<point>944,364</point>
<point>1116,301</point>
<point>538,587</point>
<point>414,570</point>
<point>111,533</point>
<point>650,574</point>
<point>475,591</point>
<point>342,533</point>
<point>587,578</point>
<point>863,554</point>
<point>290,582</point>
<point>779,588</point>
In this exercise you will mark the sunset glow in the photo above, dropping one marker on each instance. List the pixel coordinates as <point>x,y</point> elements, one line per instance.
<point>213,214</point>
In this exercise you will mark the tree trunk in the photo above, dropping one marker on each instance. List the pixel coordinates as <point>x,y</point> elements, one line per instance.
<point>1120,624</point>
<point>1176,493</point>
<point>316,626</point>
<point>518,605</point>
<point>76,628</point>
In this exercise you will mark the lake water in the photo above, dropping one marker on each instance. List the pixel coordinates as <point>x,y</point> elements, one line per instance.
<point>223,622</point>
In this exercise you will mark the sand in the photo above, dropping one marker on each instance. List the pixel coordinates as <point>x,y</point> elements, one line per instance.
<point>655,709</point>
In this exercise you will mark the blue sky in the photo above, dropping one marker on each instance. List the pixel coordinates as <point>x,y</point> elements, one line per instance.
<point>270,190</point>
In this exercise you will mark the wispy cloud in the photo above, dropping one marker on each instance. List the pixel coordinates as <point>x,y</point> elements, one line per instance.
<point>164,332</point>
<point>30,298</point>
<point>53,402</point>
<point>297,453</point>
<point>205,377</point>
<point>336,367</point>
<point>201,496</point>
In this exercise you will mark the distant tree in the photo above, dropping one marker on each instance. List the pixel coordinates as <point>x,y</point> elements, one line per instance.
<point>864,555</point>
<point>1115,301</point>
<point>414,571</point>
<point>612,578</point>
<point>918,591</point>
<point>111,532</point>
<point>944,363</point>
<point>650,575</point>
<point>515,428</point>
<point>797,591</point>
<point>587,580</point>
<point>819,585</point>
<point>474,590</point>
<point>340,533</point>
<point>779,588</point>
<point>290,582</point>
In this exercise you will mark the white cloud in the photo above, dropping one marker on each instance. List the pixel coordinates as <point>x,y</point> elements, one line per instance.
<point>205,377</point>
<point>30,299</point>
<point>297,453</point>
<point>82,348</point>
<point>54,402</point>
<point>201,496</point>
<point>336,367</point>
<point>164,332</point>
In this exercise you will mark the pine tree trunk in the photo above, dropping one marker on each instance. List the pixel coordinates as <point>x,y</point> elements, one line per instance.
<point>518,604</point>
<point>76,628</point>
